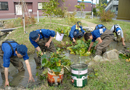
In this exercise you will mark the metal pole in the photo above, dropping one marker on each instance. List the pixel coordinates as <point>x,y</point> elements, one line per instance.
<point>37,16</point>
<point>23,15</point>
<point>92,9</point>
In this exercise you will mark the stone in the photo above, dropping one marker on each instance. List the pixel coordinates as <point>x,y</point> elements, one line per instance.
<point>111,55</point>
<point>90,29</point>
<point>90,63</point>
<point>98,58</point>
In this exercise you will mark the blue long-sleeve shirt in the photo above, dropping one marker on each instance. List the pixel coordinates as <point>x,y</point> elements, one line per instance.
<point>97,33</point>
<point>73,28</point>
<point>46,33</point>
<point>8,53</point>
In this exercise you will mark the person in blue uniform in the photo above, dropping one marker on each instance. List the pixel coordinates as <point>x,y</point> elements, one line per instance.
<point>41,39</point>
<point>119,33</point>
<point>104,38</point>
<point>11,51</point>
<point>76,31</point>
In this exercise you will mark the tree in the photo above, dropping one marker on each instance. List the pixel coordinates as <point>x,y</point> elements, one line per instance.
<point>51,8</point>
<point>100,8</point>
<point>81,6</point>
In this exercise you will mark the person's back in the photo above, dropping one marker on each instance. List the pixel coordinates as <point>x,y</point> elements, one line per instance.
<point>41,39</point>
<point>11,51</point>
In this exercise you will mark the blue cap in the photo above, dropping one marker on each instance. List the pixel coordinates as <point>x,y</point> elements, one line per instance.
<point>21,49</point>
<point>33,35</point>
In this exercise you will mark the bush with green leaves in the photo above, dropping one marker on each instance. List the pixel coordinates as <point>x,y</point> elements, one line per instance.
<point>55,62</point>
<point>63,30</point>
<point>94,11</point>
<point>81,48</point>
<point>100,8</point>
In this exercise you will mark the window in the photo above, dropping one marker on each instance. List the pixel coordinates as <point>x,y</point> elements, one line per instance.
<point>39,6</point>
<point>3,5</point>
<point>116,8</point>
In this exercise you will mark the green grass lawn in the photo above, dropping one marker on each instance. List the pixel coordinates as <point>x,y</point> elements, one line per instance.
<point>114,75</point>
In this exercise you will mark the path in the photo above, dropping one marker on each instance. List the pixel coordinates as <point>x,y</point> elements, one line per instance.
<point>89,23</point>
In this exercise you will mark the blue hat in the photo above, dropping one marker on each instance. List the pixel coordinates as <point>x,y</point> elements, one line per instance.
<point>33,35</point>
<point>21,49</point>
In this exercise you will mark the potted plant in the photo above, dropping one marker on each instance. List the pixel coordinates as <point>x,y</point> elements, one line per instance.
<point>55,64</point>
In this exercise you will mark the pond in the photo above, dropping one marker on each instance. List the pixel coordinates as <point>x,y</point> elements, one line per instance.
<point>21,79</point>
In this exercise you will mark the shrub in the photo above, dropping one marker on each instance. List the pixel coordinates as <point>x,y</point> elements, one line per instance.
<point>28,20</point>
<point>106,16</point>
<point>94,11</point>
<point>71,18</point>
<point>33,20</point>
<point>9,24</point>
<point>88,13</point>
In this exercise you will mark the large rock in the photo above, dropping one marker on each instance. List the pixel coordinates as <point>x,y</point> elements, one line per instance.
<point>111,55</point>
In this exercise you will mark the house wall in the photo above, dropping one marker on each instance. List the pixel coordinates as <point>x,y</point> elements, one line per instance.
<point>123,9</point>
<point>33,4</point>
<point>11,13</point>
<point>70,4</point>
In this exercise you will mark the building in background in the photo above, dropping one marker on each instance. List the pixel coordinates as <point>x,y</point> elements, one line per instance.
<point>13,8</point>
<point>113,6</point>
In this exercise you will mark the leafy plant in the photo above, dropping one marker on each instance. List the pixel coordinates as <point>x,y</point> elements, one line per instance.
<point>55,62</point>
<point>81,48</point>
<point>95,11</point>
<point>64,30</point>
<point>100,7</point>
<point>123,56</point>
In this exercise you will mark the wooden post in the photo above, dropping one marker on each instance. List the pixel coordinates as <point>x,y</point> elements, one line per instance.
<point>23,15</point>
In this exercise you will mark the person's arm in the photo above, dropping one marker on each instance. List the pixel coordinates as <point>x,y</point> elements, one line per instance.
<point>122,37</point>
<point>112,29</point>
<point>29,71</point>
<point>82,30</point>
<point>99,41</point>
<point>91,44</point>
<point>6,62</point>
<point>72,32</point>
<point>6,77</point>
<point>39,50</point>
<point>49,41</point>
<point>123,41</point>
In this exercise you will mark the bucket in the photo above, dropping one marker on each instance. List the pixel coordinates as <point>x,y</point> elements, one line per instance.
<point>55,79</point>
<point>59,36</point>
<point>79,73</point>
